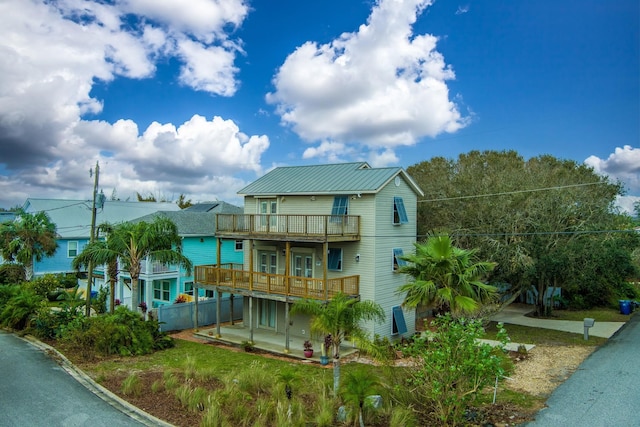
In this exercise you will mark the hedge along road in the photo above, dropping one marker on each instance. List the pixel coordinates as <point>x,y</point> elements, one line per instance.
<point>37,391</point>
<point>604,391</point>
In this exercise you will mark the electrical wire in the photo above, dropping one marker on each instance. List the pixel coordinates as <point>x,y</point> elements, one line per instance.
<point>560,187</point>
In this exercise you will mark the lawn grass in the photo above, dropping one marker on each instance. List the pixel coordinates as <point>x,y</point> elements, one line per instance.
<point>528,335</point>
<point>600,314</point>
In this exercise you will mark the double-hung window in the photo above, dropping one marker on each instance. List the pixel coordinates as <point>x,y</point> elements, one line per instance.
<point>161,290</point>
<point>399,212</point>
<point>72,249</point>
<point>340,208</point>
<point>335,259</point>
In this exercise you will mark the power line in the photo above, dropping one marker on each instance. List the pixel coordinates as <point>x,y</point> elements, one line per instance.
<point>560,187</point>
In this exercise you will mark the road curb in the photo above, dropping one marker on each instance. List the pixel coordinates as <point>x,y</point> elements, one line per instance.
<point>106,395</point>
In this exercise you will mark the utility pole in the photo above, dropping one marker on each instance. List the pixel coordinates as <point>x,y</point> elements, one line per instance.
<point>91,240</point>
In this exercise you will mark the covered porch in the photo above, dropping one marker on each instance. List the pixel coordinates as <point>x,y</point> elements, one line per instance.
<point>238,334</point>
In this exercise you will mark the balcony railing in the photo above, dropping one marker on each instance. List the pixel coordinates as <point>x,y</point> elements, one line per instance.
<point>233,277</point>
<point>320,227</point>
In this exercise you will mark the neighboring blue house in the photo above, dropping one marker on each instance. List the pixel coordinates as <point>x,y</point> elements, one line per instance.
<point>73,225</point>
<point>161,284</point>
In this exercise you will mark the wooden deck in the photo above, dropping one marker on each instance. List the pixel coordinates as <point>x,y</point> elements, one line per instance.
<point>233,278</point>
<point>314,228</point>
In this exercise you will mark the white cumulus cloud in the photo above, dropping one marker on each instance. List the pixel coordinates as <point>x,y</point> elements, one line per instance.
<point>53,53</point>
<point>622,165</point>
<point>380,87</point>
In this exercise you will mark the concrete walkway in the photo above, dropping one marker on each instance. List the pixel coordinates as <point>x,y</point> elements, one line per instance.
<point>515,314</point>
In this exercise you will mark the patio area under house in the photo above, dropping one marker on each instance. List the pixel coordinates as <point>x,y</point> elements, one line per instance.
<point>309,233</point>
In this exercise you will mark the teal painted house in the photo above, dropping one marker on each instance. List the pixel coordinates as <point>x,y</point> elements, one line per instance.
<point>161,284</point>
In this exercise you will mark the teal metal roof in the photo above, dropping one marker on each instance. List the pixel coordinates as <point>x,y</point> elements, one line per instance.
<point>343,178</point>
<point>194,222</point>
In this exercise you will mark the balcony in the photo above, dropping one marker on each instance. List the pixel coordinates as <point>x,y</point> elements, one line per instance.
<point>312,228</point>
<point>232,278</point>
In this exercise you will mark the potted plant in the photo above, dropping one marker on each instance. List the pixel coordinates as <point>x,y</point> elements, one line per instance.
<point>308,349</point>
<point>324,358</point>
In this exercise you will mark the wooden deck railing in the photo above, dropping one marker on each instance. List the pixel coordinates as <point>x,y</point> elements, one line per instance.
<point>232,276</point>
<point>311,226</point>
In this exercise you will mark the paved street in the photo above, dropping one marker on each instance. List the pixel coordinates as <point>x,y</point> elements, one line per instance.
<point>36,391</point>
<point>604,391</point>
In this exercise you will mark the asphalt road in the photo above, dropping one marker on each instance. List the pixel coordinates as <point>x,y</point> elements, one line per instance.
<point>36,391</point>
<point>604,391</point>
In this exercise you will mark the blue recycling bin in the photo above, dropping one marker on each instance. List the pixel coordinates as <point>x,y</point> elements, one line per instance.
<point>625,306</point>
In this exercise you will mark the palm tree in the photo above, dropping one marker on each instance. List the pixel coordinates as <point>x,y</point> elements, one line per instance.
<point>446,277</point>
<point>28,237</point>
<point>340,317</point>
<point>132,243</point>
<point>358,384</point>
<point>109,257</point>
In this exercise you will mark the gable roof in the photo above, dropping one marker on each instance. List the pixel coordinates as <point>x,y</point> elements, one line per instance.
<point>73,217</point>
<point>342,178</point>
<point>217,207</point>
<point>194,223</point>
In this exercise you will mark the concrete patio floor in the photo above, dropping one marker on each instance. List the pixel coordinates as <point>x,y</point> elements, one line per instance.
<point>268,341</point>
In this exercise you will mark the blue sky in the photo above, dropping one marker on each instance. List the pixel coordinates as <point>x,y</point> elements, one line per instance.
<point>204,98</point>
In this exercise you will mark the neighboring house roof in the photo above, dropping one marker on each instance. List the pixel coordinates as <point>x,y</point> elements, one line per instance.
<point>343,178</point>
<point>73,217</point>
<point>194,223</point>
<point>217,207</point>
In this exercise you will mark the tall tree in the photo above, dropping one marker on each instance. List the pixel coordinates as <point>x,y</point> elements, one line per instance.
<point>446,278</point>
<point>132,243</point>
<point>28,237</point>
<point>340,317</point>
<point>108,256</point>
<point>516,211</point>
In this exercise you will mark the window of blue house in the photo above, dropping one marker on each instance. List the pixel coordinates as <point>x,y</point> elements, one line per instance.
<point>397,261</point>
<point>162,290</point>
<point>399,212</point>
<point>334,259</point>
<point>188,288</point>
<point>399,324</point>
<point>239,245</point>
<point>72,249</point>
<point>340,208</point>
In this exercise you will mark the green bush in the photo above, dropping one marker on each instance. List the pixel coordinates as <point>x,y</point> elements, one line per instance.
<point>45,285</point>
<point>124,333</point>
<point>12,274</point>
<point>18,311</point>
<point>6,293</point>
<point>99,303</point>
<point>452,369</point>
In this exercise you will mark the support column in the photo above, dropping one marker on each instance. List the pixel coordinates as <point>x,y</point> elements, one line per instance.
<point>325,262</point>
<point>251,319</point>
<point>218,305</point>
<point>286,326</point>
<point>195,294</point>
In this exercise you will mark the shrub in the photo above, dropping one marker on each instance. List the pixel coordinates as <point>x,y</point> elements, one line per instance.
<point>124,333</point>
<point>452,368</point>
<point>20,309</point>
<point>99,303</point>
<point>45,286</point>
<point>12,274</point>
